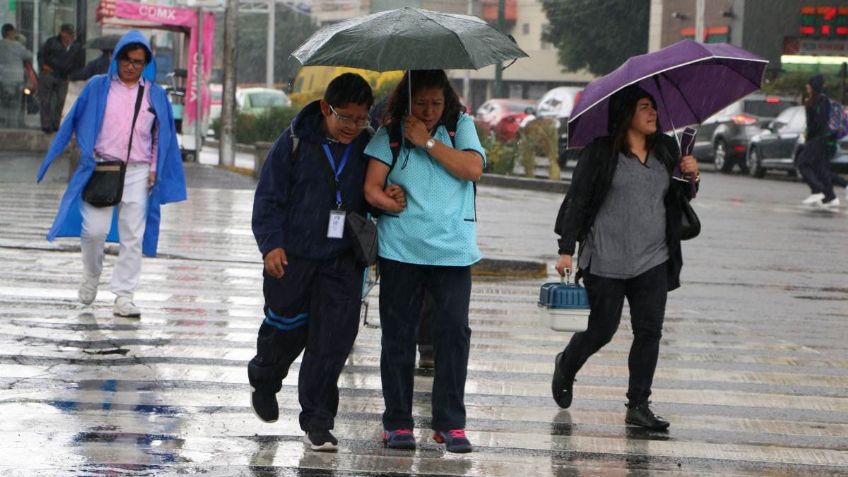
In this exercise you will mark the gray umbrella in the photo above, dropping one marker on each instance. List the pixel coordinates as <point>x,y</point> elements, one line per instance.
<point>105,42</point>
<point>408,39</point>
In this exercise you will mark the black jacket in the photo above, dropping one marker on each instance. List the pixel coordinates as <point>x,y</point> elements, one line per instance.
<point>590,184</point>
<point>62,61</point>
<point>818,116</point>
<point>295,193</point>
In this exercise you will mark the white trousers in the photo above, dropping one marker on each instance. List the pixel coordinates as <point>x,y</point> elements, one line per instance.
<point>132,218</point>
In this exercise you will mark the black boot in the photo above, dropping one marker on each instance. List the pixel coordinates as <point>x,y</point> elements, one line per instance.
<point>562,384</point>
<point>641,415</point>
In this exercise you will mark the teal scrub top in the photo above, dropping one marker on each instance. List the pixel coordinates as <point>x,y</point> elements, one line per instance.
<point>438,226</point>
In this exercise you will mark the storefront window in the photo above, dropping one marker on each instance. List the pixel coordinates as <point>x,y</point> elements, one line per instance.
<point>30,24</point>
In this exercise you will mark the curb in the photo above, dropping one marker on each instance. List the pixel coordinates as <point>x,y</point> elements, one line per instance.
<point>509,268</point>
<point>514,182</point>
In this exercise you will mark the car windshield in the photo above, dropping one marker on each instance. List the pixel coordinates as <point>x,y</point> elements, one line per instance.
<point>764,108</point>
<point>517,107</point>
<point>266,100</point>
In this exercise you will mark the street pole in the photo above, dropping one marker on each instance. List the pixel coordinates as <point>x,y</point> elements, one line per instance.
<point>227,149</point>
<point>498,93</point>
<point>699,21</point>
<point>198,91</point>
<point>269,52</point>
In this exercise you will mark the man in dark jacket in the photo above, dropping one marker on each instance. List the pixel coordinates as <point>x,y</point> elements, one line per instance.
<point>819,147</point>
<point>59,57</point>
<point>97,66</point>
<point>312,178</point>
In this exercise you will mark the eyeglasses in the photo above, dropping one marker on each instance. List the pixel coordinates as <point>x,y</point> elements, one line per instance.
<point>357,123</point>
<point>133,63</point>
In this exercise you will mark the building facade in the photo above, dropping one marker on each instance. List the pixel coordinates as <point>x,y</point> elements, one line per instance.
<point>805,35</point>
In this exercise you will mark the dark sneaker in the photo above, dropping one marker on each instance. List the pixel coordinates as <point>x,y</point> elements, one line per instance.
<point>264,406</point>
<point>641,415</point>
<point>399,439</point>
<point>454,440</point>
<point>562,386</point>
<point>321,441</point>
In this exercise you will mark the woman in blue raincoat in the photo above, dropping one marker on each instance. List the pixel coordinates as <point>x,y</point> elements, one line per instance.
<point>104,121</point>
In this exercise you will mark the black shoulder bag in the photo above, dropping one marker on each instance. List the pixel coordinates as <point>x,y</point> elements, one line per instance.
<point>684,190</point>
<point>106,185</point>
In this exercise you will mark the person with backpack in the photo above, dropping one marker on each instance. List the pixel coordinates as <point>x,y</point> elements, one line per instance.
<point>820,145</point>
<point>312,178</point>
<point>429,147</point>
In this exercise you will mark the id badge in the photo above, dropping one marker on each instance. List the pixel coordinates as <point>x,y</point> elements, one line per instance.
<point>336,227</point>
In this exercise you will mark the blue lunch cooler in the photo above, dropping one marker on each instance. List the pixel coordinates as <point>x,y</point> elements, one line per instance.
<point>566,305</point>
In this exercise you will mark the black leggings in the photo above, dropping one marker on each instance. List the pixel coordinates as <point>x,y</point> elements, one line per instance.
<point>646,295</point>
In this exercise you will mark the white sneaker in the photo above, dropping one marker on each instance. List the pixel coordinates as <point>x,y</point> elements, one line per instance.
<point>832,204</point>
<point>126,308</point>
<point>88,290</point>
<point>813,199</point>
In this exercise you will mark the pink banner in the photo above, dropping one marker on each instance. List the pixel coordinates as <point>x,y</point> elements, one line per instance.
<point>186,18</point>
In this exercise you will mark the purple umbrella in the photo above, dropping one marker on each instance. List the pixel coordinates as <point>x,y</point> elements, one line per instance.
<point>690,81</point>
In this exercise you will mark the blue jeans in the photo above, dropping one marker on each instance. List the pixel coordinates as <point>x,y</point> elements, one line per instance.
<point>401,286</point>
<point>646,294</point>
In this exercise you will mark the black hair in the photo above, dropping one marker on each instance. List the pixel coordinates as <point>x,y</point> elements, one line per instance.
<point>7,28</point>
<point>622,108</point>
<point>348,88</point>
<point>124,54</point>
<point>68,28</point>
<point>421,79</point>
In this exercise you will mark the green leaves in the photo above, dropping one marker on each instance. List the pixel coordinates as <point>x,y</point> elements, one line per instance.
<point>598,35</point>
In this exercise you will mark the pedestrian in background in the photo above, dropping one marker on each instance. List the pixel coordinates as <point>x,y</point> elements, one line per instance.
<point>312,178</point>
<point>819,147</point>
<point>59,57</point>
<point>618,207</point>
<point>102,120</point>
<point>426,247</point>
<point>14,57</point>
<point>97,66</point>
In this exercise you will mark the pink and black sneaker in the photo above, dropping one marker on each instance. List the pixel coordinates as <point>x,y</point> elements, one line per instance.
<point>454,440</point>
<point>399,439</point>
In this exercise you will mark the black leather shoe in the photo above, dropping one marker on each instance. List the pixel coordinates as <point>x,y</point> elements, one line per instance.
<point>641,415</point>
<point>562,386</point>
<point>265,406</point>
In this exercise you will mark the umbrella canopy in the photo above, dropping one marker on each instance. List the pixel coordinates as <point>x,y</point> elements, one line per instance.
<point>689,80</point>
<point>408,39</point>
<point>105,42</point>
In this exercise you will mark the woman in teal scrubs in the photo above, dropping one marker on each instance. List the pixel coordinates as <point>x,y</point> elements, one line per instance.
<point>430,244</point>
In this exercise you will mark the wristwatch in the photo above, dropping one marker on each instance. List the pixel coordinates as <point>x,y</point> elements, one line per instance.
<point>429,144</point>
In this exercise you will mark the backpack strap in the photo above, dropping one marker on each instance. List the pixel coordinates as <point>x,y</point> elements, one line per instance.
<point>295,145</point>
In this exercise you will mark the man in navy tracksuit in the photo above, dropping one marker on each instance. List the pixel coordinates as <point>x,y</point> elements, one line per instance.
<point>312,178</point>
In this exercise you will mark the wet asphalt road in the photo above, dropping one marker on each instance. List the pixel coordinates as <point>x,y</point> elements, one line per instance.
<point>753,372</point>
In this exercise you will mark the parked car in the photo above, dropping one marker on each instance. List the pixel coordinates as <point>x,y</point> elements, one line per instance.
<point>216,94</point>
<point>502,117</point>
<point>258,100</point>
<point>778,146</point>
<point>723,138</point>
<point>556,106</point>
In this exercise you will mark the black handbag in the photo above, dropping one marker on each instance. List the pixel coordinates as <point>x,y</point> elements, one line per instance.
<point>690,224</point>
<point>105,187</point>
<point>362,232</point>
